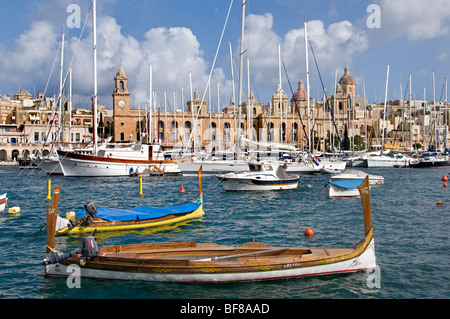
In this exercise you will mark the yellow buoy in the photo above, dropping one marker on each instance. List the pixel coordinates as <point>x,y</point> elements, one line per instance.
<point>14,211</point>
<point>140,187</point>
<point>49,191</point>
<point>440,203</point>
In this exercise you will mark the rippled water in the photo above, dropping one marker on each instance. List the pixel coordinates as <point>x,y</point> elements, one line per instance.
<point>411,234</point>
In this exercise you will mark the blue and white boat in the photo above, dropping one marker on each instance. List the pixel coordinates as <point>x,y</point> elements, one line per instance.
<point>344,188</point>
<point>260,176</point>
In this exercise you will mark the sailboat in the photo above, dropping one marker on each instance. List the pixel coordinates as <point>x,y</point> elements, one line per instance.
<point>192,262</point>
<point>114,159</point>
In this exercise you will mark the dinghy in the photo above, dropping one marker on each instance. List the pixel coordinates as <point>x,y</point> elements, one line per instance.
<point>191,262</point>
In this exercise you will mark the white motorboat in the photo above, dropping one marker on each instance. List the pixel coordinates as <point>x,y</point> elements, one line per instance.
<point>389,160</point>
<point>260,176</point>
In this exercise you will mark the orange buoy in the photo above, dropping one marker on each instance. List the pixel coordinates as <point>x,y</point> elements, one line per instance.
<point>445,184</point>
<point>309,232</point>
<point>440,203</point>
<point>444,178</point>
<point>182,189</point>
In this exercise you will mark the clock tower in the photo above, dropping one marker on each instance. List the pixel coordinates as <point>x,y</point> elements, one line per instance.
<point>121,107</point>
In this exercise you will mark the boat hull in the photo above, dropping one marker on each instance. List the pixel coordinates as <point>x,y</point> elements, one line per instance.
<point>336,191</point>
<point>211,271</point>
<point>430,163</point>
<point>375,162</point>
<point>212,168</point>
<point>50,167</point>
<point>76,165</point>
<point>244,184</point>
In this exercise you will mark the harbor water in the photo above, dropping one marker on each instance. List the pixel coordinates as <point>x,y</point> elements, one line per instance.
<point>411,234</point>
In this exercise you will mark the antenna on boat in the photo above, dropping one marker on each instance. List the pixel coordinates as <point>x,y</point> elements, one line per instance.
<point>364,191</point>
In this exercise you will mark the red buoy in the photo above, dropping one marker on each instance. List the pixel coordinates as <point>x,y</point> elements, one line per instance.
<point>445,184</point>
<point>182,189</point>
<point>309,232</point>
<point>444,178</point>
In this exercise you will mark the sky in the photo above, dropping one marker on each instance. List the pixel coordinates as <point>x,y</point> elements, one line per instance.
<point>179,39</point>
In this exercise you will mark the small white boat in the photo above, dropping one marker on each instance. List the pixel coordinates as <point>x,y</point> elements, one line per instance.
<point>351,174</point>
<point>344,188</point>
<point>3,201</point>
<point>261,176</point>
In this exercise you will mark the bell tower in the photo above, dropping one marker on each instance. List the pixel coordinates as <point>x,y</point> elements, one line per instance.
<point>121,106</point>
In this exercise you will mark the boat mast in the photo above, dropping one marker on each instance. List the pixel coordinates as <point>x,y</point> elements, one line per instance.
<point>61,132</point>
<point>94,124</point>
<point>70,107</point>
<point>307,88</point>
<point>410,115</point>
<point>384,113</point>
<point>241,68</point>
<point>149,130</point>
<point>281,100</point>
<point>232,85</point>
<point>445,117</point>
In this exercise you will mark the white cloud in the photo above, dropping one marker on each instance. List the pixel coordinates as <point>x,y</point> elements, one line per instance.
<point>33,49</point>
<point>415,19</point>
<point>334,46</point>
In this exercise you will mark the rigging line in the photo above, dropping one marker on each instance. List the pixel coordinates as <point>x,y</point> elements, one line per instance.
<point>210,73</point>
<point>325,92</point>
<point>296,106</point>
<point>401,114</point>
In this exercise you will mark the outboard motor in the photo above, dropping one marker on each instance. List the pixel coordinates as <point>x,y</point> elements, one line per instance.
<point>89,249</point>
<point>91,211</point>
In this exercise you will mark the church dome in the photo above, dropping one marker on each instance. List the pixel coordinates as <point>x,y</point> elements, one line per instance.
<point>300,94</point>
<point>347,78</point>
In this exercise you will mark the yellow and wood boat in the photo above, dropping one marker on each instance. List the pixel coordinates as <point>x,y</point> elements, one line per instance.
<point>106,219</point>
<point>193,262</point>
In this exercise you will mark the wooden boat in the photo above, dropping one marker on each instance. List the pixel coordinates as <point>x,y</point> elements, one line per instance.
<point>192,262</point>
<point>260,176</point>
<point>106,219</point>
<point>3,201</point>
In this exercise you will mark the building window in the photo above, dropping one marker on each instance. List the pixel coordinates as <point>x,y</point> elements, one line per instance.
<point>187,125</point>
<point>77,137</point>
<point>36,136</point>
<point>122,136</point>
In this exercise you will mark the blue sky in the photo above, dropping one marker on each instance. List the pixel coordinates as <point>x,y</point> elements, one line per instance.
<point>179,37</point>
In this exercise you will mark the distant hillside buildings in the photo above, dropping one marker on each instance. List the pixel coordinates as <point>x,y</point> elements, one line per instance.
<point>28,125</point>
